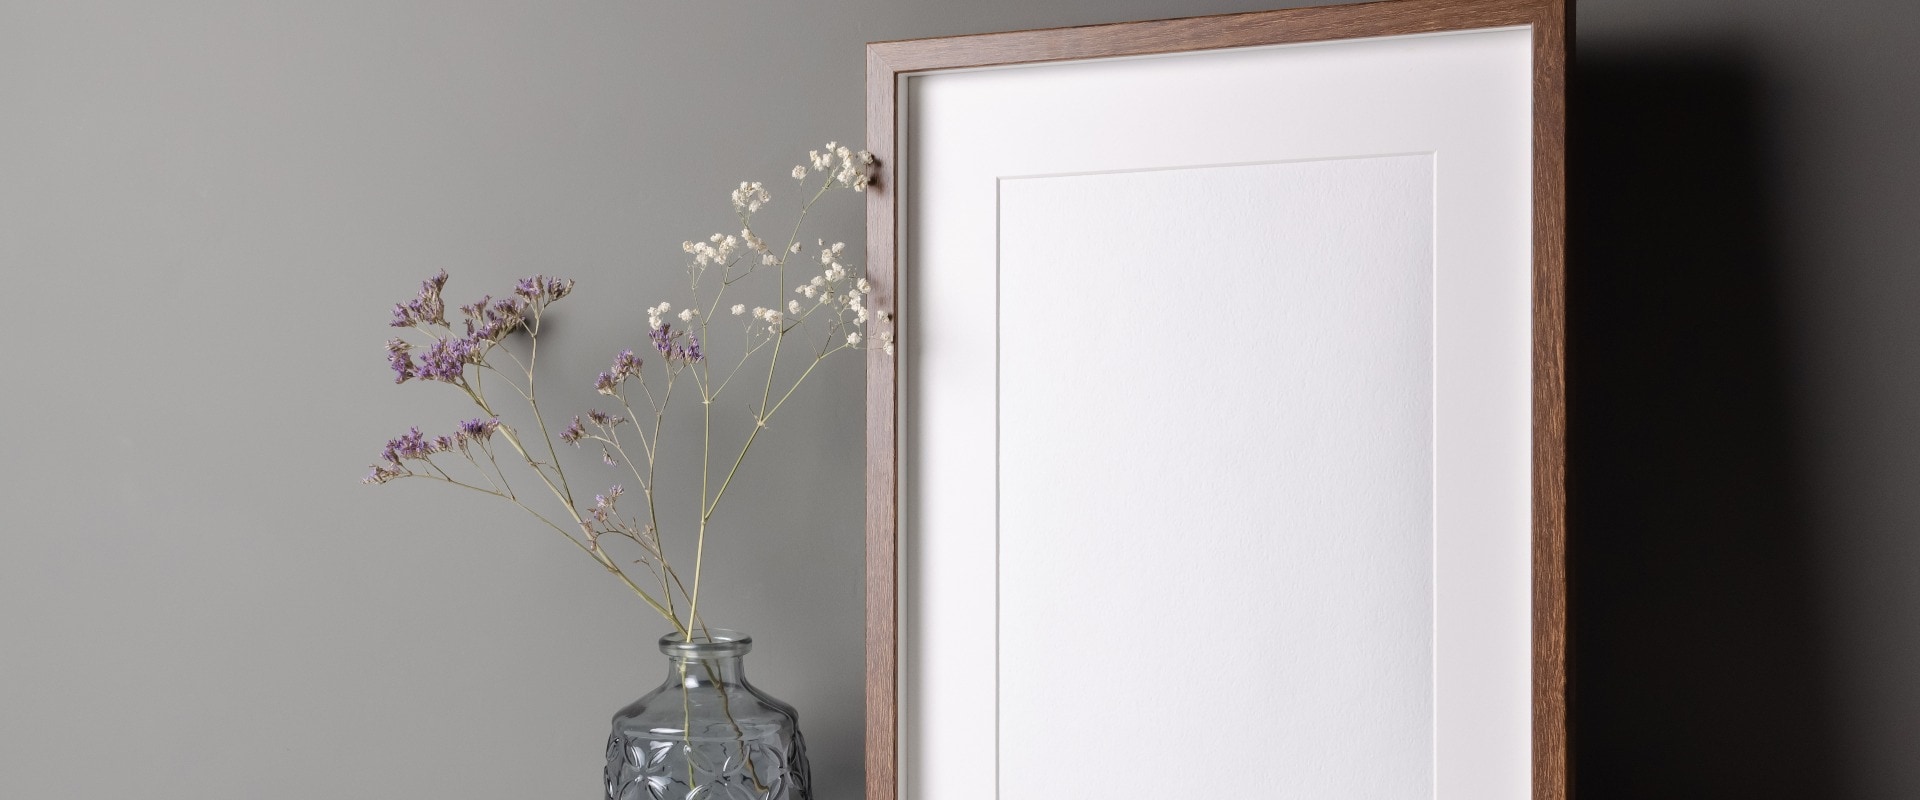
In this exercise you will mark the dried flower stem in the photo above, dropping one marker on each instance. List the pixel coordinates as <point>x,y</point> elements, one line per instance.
<point>760,423</point>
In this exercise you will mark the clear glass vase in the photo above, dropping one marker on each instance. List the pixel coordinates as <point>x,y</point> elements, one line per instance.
<point>707,734</point>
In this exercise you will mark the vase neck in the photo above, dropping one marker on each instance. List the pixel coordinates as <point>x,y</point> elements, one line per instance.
<point>696,673</point>
<point>712,656</point>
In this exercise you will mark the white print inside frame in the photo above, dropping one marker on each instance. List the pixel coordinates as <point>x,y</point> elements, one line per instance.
<point>1218,423</point>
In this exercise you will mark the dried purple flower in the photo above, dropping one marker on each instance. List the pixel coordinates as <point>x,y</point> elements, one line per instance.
<point>402,448</point>
<point>413,445</point>
<point>381,474</point>
<point>536,287</point>
<point>479,430</point>
<point>574,433</point>
<point>410,446</point>
<point>426,307</point>
<point>667,341</point>
<point>604,504</point>
<point>604,419</point>
<point>490,320</point>
<point>400,360</point>
<point>626,364</point>
<point>446,360</point>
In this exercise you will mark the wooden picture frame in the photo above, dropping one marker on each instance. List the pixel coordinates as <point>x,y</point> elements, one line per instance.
<point>890,63</point>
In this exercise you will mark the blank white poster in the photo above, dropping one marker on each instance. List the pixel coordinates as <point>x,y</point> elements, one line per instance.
<point>1215,523</point>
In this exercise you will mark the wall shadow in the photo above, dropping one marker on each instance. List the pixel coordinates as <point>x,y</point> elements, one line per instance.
<point>1699,665</point>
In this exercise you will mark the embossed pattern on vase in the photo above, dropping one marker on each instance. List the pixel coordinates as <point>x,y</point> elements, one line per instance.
<point>771,767</point>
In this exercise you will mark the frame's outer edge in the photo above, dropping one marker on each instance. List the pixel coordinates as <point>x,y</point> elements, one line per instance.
<point>887,62</point>
<point>1221,31</point>
<point>1552,40</point>
<point>883,473</point>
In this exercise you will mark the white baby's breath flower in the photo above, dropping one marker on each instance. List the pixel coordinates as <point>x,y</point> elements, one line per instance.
<point>769,260</point>
<point>774,316</point>
<point>739,308</point>
<point>809,291</point>
<point>759,313</point>
<point>795,248</point>
<point>853,338</point>
<point>799,173</point>
<point>687,315</point>
<point>839,247</point>
<point>863,285</point>
<point>793,306</point>
<point>886,316</point>
<point>750,196</point>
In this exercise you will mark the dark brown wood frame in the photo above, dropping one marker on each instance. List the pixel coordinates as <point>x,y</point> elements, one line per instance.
<point>1552,36</point>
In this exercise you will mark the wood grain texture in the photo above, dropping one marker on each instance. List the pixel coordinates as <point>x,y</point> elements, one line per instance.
<point>883,485</point>
<point>888,62</point>
<point>1552,35</point>
<point>1260,28</point>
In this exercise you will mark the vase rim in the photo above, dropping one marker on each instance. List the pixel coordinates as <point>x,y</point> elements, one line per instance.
<point>708,644</point>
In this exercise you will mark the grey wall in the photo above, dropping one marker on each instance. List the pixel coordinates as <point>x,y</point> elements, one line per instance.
<point>205,208</point>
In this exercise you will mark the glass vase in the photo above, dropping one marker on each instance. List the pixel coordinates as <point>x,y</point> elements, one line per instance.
<point>706,733</point>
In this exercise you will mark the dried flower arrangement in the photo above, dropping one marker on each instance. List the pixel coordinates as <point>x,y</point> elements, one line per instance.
<point>497,342</point>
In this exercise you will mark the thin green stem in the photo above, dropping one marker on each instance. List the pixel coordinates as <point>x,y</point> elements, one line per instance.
<point>533,359</point>
<point>760,421</point>
<point>566,500</point>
